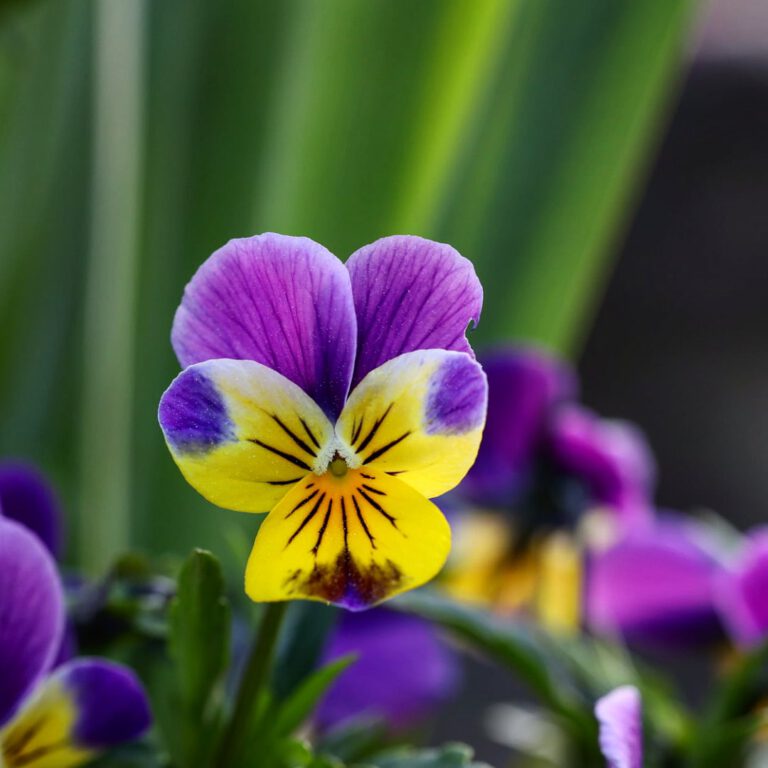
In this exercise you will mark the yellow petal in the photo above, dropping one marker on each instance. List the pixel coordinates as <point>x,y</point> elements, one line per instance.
<point>419,417</point>
<point>241,433</point>
<point>353,540</point>
<point>40,736</point>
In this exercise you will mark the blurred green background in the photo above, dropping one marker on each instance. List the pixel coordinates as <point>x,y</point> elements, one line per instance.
<point>136,136</point>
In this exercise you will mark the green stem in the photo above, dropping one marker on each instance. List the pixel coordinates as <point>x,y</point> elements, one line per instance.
<point>255,678</point>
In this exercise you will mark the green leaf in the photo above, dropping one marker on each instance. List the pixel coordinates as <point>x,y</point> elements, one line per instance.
<point>199,644</point>
<point>449,756</point>
<point>292,712</point>
<point>524,651</point>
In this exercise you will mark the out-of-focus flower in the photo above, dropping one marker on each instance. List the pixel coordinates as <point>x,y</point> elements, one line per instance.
<point>273,331</point>
<point>656,585</point>
<point>620,716</point>
<point>402,673</point>
<point>742,592</point>
<point>27,497</point>
<point>65,717</point>
<point>550,475</point>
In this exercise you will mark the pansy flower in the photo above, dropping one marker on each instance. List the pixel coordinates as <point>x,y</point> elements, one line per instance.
<point>403,670</point>
<point>547,469</point>
<point>620,718</point>
<point>656,586</point>
<point>338,398</point>
<point>53,718</point>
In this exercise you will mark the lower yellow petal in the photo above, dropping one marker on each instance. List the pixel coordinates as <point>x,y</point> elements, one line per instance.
<point>40,736</point>
<point>352,540</point>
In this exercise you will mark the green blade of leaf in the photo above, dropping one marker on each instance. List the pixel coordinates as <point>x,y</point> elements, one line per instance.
<point>200,628</point>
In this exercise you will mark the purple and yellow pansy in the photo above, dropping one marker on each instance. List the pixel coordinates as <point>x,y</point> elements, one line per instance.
<point>550,477</point>
<point>53,718</point>
<point>337,398</point>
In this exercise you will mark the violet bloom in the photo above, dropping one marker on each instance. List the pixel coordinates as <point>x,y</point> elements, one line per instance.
<point>27,497</point>
<point>402,673</point>
<point>63,717</point>
<point>742,592</point>
<point>620,716</point>
<point>656,586</point>
<point>544,464</point>
<point>338,398</point>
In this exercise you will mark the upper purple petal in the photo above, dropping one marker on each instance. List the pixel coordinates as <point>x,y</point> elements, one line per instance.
<point>26,496</point>
<point>112,707</point>
<point>523,386</point>
<point>742,594</point>
<point>31,614</point>
<point>620,715</point>
<point>410,294</point>
<point>403,670</point>
<point>611,457</point>
<point>285,302</point>
<point>656,586</point>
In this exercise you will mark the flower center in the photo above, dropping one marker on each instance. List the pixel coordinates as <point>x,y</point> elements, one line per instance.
<point>338,467</point>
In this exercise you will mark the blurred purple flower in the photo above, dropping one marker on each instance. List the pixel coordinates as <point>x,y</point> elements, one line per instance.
<point>547,459</point>
<point>546,467</point>
<point>742,592</point>
<point>402,673</point>
<point>60,717</point>
<point>656,585</point>
<point>27,497</point>
<point>620,717</point>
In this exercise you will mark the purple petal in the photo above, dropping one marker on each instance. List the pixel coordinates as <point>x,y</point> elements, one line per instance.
<point>402,673</point>
<point>743,592</point>
<point>523,386</point>
<point>26,496</point>
<point>611,457</point>
<point>282,301</point>
<point>620,715</point>
<point>656,587</point>
<point>31,614</point>
<point>111,705</point>
<point>411,294</point>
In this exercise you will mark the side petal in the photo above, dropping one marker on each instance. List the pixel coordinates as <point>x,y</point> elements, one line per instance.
<point>241,433</point>
<point>524,385</point>
<point>84,708</point>
<point>655,587</point>
<point>620,715</point>
<point>742,592</point>
<point>612,458</point>
<point>27,497</point>
<point>282,301</point>
<point>419,417</point>
<point>353,541</point>
<point>403,671</point>
<point>31,614</point>
<point>411,294</point>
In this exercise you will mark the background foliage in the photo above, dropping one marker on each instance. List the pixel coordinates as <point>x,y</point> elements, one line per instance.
<point>138,136</point>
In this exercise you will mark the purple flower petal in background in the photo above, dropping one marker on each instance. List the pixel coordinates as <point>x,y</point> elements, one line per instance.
<point>411,294</point>
<point>285,302</point>
<point>31,614</point>
<point>742,592</point>
<point>27,497</point>
<point>655,587</point>
<point>110,701</point>
<point>402,673</point>
<point>524,384</point>
<point>620,715</point>
<point>611,457</point>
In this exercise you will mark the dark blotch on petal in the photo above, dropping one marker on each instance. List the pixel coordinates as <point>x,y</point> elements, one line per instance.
<point>346,584</point>
<point>457,397</point>
<point>193,415</point>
